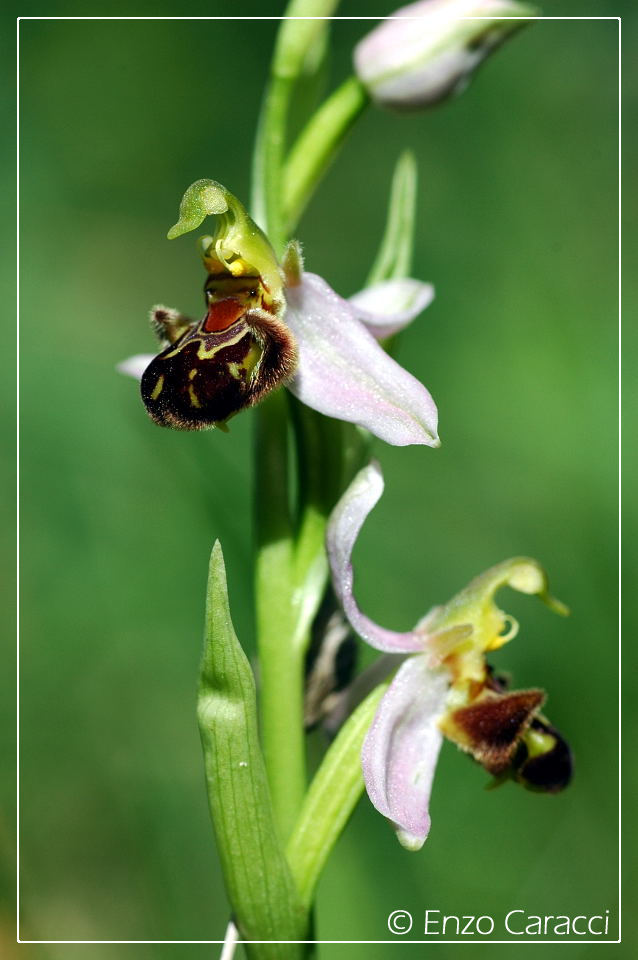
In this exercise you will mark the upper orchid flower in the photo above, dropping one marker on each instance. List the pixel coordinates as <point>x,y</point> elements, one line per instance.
<point>267,324</point>
<point>428,50</point>
<point>447,688</point>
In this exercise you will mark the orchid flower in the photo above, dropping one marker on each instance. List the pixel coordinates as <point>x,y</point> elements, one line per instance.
<point>428,50</point>
<point>268,324</point>
<point>446,687</point>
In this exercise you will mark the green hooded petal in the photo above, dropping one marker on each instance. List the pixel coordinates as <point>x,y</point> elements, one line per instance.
<point>237,246</point>
<point>471,624</point>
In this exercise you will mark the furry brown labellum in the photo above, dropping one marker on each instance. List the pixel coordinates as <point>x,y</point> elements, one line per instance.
<point>504,731</point>
<point>211,370</point>
<point>492,727</point>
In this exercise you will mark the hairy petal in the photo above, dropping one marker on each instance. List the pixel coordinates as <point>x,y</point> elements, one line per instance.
<point>344,373</point>
<point>402,746</point>
<point>388,307</point>
<point>346,521</point>
<point>136,365</point>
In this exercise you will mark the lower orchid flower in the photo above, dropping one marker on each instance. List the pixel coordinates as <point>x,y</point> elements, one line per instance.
<point>446,687</point>
<point>266,325</point>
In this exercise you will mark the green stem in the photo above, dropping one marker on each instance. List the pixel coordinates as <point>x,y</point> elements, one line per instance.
<point>269,153</point>
<point>282,715</point>
<point>295,38</point>
<point>318,445</point>
<point>291,575</point>
<point>332,797</point>
<point>317,146</point>
<point>281,665</point>
<point>281,633</point>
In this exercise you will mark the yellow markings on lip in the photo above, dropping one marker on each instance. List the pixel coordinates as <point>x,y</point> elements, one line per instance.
<point>157,389</point>
<point>204,354</point>
<point>194,397</point>
<point>252,360</point>
<point>246,369</point>
<point>192,373</point>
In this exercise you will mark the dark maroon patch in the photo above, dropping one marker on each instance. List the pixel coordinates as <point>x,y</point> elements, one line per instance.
<point>193,401</point>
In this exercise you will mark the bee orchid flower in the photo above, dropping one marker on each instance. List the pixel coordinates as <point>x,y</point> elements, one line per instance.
<point>445,688</point>
<point>268,325</point>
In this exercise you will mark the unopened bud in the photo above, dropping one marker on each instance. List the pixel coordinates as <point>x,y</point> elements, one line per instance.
<point>429,49</point>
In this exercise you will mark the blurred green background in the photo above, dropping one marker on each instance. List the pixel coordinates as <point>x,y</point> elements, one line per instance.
<point>517,229</point>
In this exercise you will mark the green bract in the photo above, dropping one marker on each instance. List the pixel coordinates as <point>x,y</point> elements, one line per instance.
<point>256,872</point>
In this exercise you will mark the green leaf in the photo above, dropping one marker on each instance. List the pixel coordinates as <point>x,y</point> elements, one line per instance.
<point>331,798</point>
<point>258,880</point>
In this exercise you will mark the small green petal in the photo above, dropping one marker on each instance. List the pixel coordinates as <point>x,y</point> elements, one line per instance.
<point>202,198</point>
<point>475,605</point>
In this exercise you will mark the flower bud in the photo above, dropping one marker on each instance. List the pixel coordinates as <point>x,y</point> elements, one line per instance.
<point>430,48</point>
